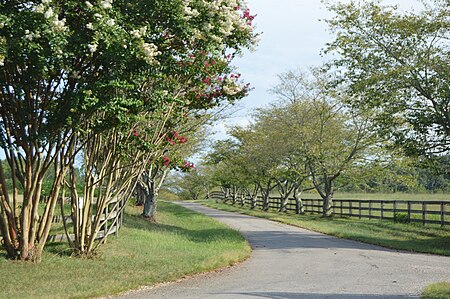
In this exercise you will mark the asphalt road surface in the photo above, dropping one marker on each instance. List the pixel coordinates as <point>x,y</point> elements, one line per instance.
<point>290,262</point>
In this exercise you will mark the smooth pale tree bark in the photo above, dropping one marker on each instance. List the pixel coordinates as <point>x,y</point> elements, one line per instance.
<point>299,209</point>
<point>265,192</point>
<point>25,230</point>
<point>253,195</point>
<point>325,189</point>
<point>150,182</point>
<point>285,189</point>
<point>234,195</point>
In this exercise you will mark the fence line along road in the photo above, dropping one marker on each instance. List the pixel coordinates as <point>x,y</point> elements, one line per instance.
<point>112,225</point>
<point>425,212</point>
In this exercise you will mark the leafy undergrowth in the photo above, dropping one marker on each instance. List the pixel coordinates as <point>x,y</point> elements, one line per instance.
<point>439,290</point>
<point>410,237</point>
<point>183,243</point>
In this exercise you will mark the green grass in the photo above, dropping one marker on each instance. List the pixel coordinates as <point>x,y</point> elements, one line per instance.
<point>181,244</point>
<point>410,237</point>
<point>439,290</point>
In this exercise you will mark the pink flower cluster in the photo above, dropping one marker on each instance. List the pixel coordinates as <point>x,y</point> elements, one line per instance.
<point>187,166</point>
<point>176,138</point>
<point>248,17</point>
<point>166,161</point>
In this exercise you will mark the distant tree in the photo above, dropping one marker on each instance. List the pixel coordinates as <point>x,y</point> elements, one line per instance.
<point>327,136</point>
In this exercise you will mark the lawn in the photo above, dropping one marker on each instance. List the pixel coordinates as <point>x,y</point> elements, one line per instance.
<point>181,244</point>
<point>439,290</point>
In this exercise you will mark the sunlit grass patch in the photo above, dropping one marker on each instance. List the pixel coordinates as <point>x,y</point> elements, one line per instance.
<point>439,290</point>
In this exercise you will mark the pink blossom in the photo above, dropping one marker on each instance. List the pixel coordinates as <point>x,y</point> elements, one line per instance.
<point>166,161</point>
<point>170,141</point>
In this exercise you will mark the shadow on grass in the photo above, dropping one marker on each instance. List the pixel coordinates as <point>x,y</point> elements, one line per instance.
<point>3,254</point>
<point>201,235</point>
<point>59,249</point>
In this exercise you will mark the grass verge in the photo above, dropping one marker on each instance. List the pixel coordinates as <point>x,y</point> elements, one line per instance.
<point>183,243</point>
<point>410,237</point>
<point>439,290</point>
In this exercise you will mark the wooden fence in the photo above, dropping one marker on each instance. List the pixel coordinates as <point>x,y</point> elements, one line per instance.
<point>432,212</point>
<point>112,225</point>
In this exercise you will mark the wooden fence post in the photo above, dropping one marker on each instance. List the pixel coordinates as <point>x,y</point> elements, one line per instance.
<point>424,212</point>
<point>442,214</point>
<point>370,209</point>
<point>106,220</point>
<point>359,210</point>
<point>350,209</point>
<point>382,209</point>
<point>409,211</point>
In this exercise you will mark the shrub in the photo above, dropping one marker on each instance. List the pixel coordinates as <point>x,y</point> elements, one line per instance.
<point>401,217</point>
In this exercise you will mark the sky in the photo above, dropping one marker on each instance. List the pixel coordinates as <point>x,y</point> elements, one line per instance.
<point>292,37</point>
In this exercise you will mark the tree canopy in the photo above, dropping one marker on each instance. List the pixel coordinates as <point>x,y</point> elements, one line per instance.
<point>396,64</point>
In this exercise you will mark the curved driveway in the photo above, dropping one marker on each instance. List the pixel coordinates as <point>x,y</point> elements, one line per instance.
<point>290,262</point>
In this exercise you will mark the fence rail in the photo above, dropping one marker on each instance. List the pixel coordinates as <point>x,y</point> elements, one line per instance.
<point>115,217</point>
<point>425,212</point>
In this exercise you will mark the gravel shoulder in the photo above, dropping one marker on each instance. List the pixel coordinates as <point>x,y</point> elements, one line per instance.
<point>290,262</point>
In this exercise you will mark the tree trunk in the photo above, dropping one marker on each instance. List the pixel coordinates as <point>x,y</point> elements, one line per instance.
<point>150,206</point>
<point>234,198</point>
<point>154,180</point>
<point>266,200</point>
<point>226,193</point>
<point>328,199</point>
<point>283,203</point>
<point>299,208</point>
<point>140,195</point>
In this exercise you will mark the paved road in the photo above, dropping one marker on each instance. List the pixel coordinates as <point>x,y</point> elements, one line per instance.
<point>289,262</point>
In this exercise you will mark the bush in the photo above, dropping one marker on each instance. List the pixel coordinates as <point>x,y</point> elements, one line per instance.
<point>401,217</point>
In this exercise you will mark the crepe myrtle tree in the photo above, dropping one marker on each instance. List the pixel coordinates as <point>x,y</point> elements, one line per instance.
<point>61,62</point>
<point>154,175</point>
